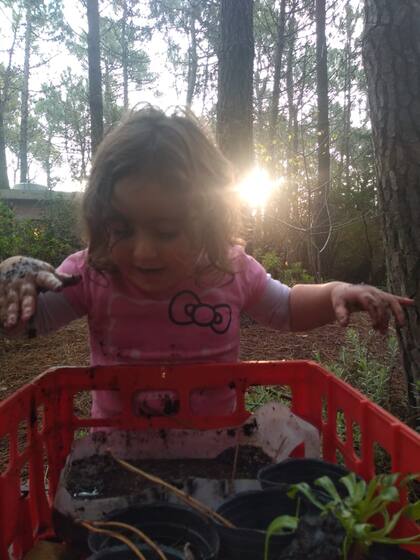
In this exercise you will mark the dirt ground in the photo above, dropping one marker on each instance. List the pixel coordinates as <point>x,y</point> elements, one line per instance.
<point>22,360</point>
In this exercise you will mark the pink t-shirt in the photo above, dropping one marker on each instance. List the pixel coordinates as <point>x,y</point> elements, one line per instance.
<point>194,322</point>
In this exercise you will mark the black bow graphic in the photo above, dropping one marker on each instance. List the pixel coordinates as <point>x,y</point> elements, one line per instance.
<point>187,309</point>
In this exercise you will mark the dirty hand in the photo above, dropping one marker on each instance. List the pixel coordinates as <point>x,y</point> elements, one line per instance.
<point>347,298</point>
<point>21,278</point>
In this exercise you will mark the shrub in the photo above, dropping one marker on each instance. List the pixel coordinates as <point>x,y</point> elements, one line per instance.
<point>289,273</point>
<point>272,263</point>
<point>50,239</point>
<point>294,273</point>
<point>359,368</point>
<point>7,232</point>
<point>370,376</point>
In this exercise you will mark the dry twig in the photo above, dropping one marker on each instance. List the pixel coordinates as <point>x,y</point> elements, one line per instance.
<point>235,458</point>
<point>135,530</point>
<point>189,500</point>
<point>114,535</point>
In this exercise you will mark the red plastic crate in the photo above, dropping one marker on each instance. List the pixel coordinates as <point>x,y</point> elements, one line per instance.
<point>38,425</point>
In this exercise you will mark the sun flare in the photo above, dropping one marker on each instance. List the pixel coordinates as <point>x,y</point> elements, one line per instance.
<point>256,188</point>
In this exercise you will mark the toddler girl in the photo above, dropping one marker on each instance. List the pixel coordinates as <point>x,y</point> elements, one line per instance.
<point>162,279</point>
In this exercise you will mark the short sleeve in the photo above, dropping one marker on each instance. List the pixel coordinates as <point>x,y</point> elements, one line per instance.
<point>255,279</point>
<point>56,309</point>
<point>77,295</point>
<point>272,309</point>
<point>266,299</point>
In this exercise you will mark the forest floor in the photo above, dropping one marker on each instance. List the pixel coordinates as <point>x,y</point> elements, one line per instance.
<point>22,360</point>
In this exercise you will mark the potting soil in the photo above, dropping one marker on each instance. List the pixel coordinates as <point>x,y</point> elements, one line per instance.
<point>317,537</point>
<point>100,476</point>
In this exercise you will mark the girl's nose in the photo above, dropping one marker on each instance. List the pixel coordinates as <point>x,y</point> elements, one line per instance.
<point>144,250</point>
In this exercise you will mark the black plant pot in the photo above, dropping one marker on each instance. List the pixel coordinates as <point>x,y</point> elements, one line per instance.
<point>251,513</point>
<point>166,524</point>
<point>293,471</point>
<point>124,553</point>
<point>389,552</point>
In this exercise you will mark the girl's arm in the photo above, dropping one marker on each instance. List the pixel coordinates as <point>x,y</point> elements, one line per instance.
<point>314,305</point>
<point>23,307</point>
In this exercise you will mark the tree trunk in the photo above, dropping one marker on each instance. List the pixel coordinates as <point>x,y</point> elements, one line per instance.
<point>4,179</point>
<point>125,53</point>
<point>292,123</point>
<point>205,83</point>
<point>107,95</point>
<point>192,59</point>
<point>348,94</point>
<point>48,163</point>
<point>321,219</point>
<point>260,93</point>
<point>274,109</point>
<point>234,105</point>
<point>322,95</point>
<point>23,140</point>
<point>344,167</point>
<point>4,98</point>
<point>391,52</point>
<point>95,77</point>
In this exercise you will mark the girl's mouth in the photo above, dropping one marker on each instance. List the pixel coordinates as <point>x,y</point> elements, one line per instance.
<point>149,271</point>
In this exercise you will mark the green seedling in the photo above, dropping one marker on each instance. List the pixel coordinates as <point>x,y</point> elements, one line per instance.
<point>356,511</point>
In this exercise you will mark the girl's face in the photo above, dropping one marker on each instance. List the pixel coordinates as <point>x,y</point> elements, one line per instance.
<point>148,234</point>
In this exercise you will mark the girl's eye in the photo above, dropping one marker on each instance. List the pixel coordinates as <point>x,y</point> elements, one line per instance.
<point>167,235</point>
<point>121,231</point>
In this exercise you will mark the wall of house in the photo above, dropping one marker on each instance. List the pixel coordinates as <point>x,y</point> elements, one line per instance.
<point>30,205</point>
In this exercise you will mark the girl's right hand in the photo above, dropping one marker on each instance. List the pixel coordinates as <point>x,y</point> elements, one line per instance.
<point>21,279</point>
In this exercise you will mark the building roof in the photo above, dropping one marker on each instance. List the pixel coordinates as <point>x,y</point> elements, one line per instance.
<point>30,187</point>
<point>15,194</point>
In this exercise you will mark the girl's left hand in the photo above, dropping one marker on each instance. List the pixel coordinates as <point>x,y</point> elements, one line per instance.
<point>347,298</point>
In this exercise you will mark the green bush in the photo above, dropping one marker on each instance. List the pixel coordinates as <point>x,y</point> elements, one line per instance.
<point>51,238</point>
<point>359,368</point>
<point>294,273</point>
<point>372,377</point>
<point>289,273</point>
<point>7,232</point>
<point>272,263</point>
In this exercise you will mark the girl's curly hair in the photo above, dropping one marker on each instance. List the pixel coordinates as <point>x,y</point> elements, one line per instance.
<point>173,151</point>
